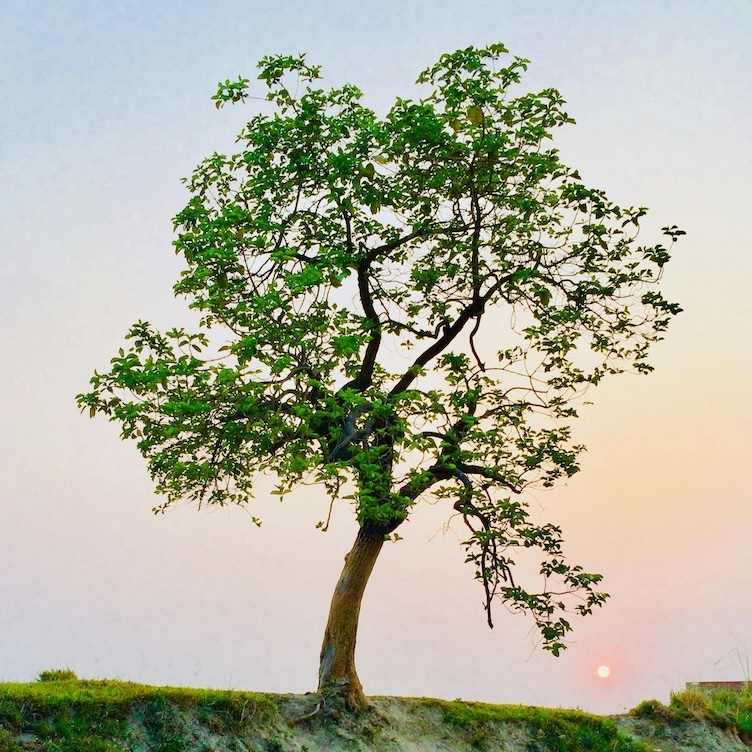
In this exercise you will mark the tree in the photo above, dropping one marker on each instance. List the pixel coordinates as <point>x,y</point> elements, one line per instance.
<point>407,306</point>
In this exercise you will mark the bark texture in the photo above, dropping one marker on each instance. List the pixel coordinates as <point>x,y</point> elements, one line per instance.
<point>337,674</point>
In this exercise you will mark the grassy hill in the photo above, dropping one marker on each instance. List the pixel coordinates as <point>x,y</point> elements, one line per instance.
<point>60,713</point>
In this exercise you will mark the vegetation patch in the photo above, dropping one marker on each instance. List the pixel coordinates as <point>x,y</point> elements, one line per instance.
<point>549,730</point>
<point>66,714</point>
<point>61,713</point>
<point>725,708</point>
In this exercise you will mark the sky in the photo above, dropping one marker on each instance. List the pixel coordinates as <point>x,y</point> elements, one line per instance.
<point>106,105</point>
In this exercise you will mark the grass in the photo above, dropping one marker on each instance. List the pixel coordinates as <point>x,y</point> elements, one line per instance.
<point>72,715</point>
<point>61,713</point>
<point>728,709</point>
<point>551,730</point>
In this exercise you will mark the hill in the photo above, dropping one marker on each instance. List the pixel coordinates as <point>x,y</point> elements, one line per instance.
<point>61,713</point>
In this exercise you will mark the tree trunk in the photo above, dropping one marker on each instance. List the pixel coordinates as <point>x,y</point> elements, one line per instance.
<point>337,673</point>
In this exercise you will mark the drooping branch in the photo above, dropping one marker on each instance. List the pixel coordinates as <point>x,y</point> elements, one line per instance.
<point>471,338</point>
<point>464,505</point>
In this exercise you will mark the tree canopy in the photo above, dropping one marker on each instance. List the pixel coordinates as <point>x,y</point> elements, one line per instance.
<point>401,307</point>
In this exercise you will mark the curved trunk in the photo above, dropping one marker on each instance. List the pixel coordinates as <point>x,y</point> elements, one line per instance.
<point>337,673</point>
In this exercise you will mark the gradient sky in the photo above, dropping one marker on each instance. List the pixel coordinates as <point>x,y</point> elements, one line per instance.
<point>105,105</point>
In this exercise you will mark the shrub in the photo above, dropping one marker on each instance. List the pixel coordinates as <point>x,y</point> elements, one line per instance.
<point>650,709</point>
<point>56,675</point>
<point>744,724</point>
<point>690,704</point>
<point>727,709</point>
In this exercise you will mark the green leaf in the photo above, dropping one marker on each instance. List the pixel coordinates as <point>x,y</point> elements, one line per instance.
<point>544,295</point>
<point>475,115</point>
<point>346,345</point>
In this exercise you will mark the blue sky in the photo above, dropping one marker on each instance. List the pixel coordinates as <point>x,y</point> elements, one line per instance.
<point>105,105</point>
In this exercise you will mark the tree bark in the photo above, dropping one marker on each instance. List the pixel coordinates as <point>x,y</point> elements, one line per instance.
<point>337,675</point>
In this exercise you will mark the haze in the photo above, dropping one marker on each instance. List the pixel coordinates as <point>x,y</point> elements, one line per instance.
<point>106,105</point>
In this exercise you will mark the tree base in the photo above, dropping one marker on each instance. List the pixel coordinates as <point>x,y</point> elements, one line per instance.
<point>343,697</point>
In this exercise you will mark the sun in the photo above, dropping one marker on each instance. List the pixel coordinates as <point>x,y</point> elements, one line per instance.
<point>604,672</point>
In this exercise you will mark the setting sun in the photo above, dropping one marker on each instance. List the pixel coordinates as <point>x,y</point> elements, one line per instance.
<point>604,672</point>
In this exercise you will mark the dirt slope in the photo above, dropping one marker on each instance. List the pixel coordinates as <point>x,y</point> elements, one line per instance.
<point>90,716</point>
<point>424,725</point>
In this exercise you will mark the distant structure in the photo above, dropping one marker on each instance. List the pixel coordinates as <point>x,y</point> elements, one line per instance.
<point>709,686</point>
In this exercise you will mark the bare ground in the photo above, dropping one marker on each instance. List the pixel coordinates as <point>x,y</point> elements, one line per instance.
<point>422,725</point>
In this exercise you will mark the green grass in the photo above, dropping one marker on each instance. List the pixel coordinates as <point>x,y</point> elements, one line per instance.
<point>725,708</point>
<point>72,715</point>
<point>57,674</point>
<point>551,730</point>
<point>66,714</point>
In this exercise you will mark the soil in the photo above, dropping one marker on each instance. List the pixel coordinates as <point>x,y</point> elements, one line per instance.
<point>419,725</point>
<point>304,723</point>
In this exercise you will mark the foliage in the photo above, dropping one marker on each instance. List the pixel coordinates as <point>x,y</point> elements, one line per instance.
<point>402,307</point>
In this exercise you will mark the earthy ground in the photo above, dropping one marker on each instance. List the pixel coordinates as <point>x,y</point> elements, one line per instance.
<point>102,716</point>
<point>421,725</point>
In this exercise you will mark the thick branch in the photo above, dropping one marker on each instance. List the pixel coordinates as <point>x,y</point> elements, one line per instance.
<point>450,333</point>
<point>352,434</point>
<point>424,481</point>
<point>475,309</point>
<point>488,473</point>
<point>365,376</point>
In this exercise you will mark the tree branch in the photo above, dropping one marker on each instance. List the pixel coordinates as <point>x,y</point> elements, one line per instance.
<point>423,234</point>
<point>353,434</point>
<point>488,473</point>
<point>450,333</point>
<point>365,377</point>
